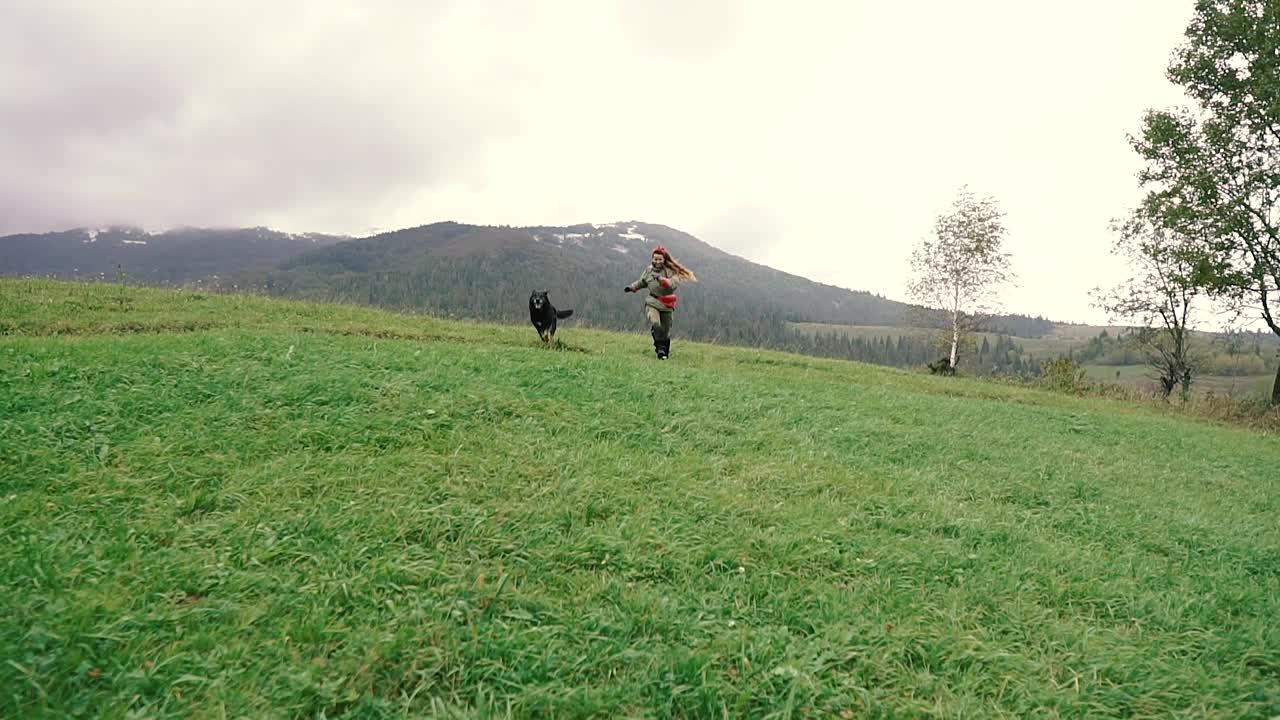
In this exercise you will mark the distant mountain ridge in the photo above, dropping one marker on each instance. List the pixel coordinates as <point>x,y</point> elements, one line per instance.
<point>477,271</point>
<point>170,257</point>
<point>489,271</point>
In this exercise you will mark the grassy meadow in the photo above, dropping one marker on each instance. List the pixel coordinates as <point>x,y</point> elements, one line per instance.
<point>1066,338</point>
<point>224,506</point>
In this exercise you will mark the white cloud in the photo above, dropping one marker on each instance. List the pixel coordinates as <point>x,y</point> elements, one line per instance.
<point>819,137</point>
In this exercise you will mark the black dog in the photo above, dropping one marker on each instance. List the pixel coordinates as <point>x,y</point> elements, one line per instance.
<point>941,367</point>
<point>544,315</point>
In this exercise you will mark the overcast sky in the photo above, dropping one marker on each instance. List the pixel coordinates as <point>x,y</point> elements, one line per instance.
<point>818,137</point>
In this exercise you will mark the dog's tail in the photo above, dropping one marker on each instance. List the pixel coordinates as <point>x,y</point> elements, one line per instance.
<point>562,314</point>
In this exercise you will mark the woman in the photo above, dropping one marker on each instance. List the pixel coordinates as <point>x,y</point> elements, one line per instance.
<point>662,277</point>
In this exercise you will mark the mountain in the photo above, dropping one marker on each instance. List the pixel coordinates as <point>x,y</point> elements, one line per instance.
<point>485,272</point>
<point>488,272</point>
<point>171,257</point>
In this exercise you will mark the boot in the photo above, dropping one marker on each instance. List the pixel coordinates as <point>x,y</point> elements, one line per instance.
<point>660,342</point>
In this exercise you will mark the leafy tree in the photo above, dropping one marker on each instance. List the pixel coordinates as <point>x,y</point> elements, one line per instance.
<point>1216,169</point>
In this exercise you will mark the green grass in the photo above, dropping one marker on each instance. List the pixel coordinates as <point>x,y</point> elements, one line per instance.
<point>218,506</point>
<point>1142,377</point>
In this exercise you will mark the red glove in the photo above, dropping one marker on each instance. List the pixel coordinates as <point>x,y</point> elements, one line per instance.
<point>665,283</point>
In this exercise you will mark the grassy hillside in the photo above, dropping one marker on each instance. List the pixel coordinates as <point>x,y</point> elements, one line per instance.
<point>223,506</point>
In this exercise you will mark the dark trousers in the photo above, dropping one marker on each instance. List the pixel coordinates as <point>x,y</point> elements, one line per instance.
<point>660,328</point>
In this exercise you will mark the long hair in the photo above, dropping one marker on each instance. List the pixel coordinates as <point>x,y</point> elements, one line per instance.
<point>680,270</point>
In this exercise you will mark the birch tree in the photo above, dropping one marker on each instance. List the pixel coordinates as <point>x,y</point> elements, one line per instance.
<point>959,270</point>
